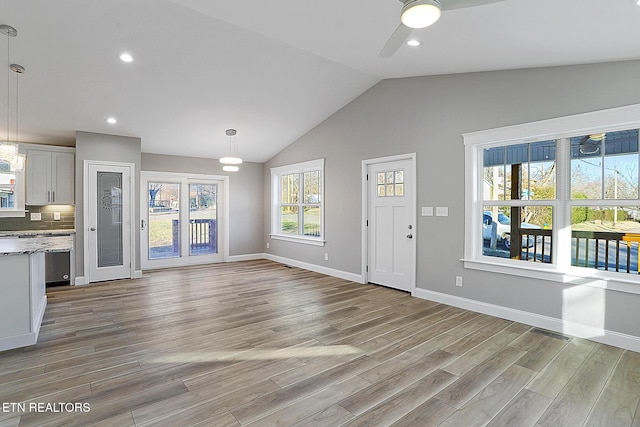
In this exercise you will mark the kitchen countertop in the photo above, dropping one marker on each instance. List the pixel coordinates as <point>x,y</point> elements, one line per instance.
<point>25,246</point>
<point>36,233</point>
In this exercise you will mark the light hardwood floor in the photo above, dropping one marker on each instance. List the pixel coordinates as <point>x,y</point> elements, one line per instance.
<point>260,344</point>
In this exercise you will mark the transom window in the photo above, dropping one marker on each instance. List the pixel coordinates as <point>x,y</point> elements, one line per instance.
<point>297,202</point>
<point>568,201</point>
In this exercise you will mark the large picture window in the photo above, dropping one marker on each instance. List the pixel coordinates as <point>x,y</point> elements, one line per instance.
<point>297,202</point>
<point>558,196</point>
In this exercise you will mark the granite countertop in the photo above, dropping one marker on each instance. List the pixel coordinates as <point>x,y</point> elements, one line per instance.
<point>22,246</point>
<point>36,233</point>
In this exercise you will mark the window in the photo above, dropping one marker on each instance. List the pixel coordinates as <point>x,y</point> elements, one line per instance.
<point>556,197</point>
<point>297,202</point>
<point>11,191</point>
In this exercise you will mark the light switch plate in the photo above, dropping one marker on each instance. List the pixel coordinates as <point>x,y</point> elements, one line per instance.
<point>35,216</point>
<point>56,216</point>
<point>427,211</point>
<point>442,211</point>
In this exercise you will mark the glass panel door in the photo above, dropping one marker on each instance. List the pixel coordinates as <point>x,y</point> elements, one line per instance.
<point>164,219</point>
<point>203,227</point>
<point>109,219</point>
<point>183,221</point>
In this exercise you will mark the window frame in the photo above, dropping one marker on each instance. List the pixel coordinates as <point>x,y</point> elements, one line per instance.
<point>560,129</point>
<point>276,201</point>
<point>18,211</point>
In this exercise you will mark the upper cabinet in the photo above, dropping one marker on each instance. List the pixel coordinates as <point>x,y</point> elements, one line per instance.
<point>50,177</point>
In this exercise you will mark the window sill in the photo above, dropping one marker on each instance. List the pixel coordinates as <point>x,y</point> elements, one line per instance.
<point>12,214</point>
<point>572,276</point>
<point>298,239</point>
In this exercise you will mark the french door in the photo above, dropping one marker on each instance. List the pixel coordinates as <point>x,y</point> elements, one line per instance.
<point>181,220</point>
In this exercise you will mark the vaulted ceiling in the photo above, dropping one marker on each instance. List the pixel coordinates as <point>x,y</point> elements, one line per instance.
<point>272,69</point>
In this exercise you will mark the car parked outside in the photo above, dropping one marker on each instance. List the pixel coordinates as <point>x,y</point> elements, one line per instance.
<point>503,229</point>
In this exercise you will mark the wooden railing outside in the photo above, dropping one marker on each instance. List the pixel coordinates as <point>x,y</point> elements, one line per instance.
<point>203,237</point>
<point>600,250</point>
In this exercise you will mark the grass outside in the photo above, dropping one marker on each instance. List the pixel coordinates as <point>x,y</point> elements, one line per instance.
<point>608,226</point>
<point>161,225</point>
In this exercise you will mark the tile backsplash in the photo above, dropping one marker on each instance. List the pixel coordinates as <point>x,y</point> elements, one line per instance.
<point>66,221</point>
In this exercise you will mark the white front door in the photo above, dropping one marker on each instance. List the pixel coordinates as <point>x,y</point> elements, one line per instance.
<point>108,221</point>
<point>391,231</point>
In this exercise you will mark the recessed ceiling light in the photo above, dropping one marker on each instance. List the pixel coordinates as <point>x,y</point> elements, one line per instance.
<point>112,120</point>
<point>414,43</point>
<point>126,57</point>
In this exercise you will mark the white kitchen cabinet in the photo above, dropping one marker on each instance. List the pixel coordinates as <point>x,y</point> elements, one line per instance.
<point>24,299</point>
<point>50,177</point>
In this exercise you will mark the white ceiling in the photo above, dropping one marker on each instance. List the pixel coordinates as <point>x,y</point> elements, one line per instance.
<point>272,69</point>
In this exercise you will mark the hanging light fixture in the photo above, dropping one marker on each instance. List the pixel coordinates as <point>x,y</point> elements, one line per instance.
<point>9,150</point>
<point>231,159</point>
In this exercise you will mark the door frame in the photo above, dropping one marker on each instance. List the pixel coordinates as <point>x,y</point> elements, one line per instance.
<point>86,220</point>
<point>222,224</point>
<point>365,213</point>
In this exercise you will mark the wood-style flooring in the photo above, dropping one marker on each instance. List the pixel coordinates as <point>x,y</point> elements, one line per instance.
<point>260,344</point>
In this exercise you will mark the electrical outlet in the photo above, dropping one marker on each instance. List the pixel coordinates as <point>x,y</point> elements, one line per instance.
<point>326,256</point>
<point>459,281</point>
<point>56,216</point>
<point>35,216</point>
<point>267,245</point>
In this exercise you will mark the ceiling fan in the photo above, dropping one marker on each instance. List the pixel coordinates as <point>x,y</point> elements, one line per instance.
<point>420,14</point>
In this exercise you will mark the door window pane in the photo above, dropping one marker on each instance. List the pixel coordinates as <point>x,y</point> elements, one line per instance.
<point>109,219</point>
<point>390,184</point>
<point>203,228</point>
<point>164,220</point>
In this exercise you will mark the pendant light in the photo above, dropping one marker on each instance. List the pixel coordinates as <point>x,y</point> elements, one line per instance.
<point>231,159</point>
<point>9,150</point>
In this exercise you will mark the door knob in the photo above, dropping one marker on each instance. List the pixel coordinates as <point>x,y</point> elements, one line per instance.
<point>92,229</point>
<point>409,236</point>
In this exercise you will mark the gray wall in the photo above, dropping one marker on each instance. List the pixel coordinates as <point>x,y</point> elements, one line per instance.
<point>428,115</point>
<point>95,146</point>
<point>245,196</point>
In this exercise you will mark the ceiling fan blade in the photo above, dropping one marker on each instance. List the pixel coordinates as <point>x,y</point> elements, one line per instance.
<point>461,4</point>
<point>398,37</point>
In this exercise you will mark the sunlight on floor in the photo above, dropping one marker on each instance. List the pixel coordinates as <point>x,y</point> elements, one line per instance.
<point>257,354</point>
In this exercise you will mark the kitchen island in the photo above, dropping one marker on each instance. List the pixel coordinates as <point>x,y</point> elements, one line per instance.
<point>23,288</point>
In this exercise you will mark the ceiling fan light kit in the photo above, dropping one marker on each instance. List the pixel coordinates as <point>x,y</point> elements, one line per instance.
<point>420,13</point>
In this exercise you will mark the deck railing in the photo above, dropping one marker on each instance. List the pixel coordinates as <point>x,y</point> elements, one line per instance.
<point>203,237</point>
<point>609,251</point>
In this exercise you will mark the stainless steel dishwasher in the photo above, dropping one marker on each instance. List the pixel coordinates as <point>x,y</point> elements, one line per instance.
<point>57,268</point>
<point>57,264</point>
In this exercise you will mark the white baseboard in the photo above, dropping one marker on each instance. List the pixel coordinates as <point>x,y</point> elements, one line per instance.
<point>137,274</point>
<point>37,321</point>
<point>80,280</point>
<point>246,257</point>
<point>318,269</point>
<point>617,339</point>
<point>18,341</point>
